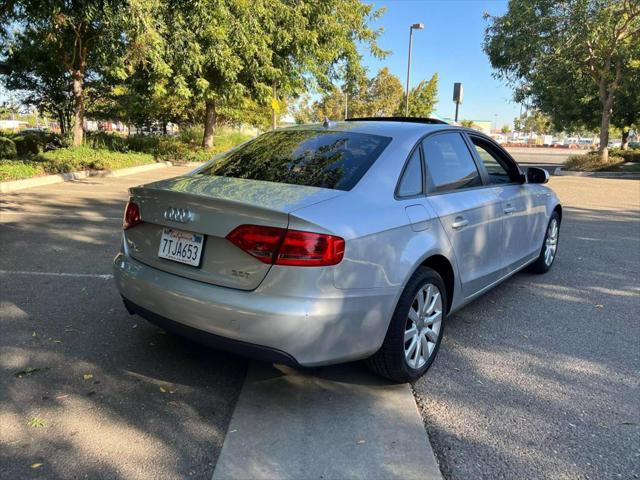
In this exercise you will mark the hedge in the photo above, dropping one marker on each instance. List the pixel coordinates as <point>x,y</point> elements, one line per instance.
<point>628,155</point>
<point>7,148</point>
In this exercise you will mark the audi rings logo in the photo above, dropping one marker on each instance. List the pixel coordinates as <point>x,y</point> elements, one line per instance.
<point>177,215</point>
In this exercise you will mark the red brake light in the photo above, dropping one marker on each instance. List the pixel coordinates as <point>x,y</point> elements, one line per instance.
<point>131,216</point>
<point>261,242</point>
<point>307,249</point>
<point>288,247</point>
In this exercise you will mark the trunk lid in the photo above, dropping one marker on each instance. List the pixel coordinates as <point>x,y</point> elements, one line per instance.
<point>217,205</point>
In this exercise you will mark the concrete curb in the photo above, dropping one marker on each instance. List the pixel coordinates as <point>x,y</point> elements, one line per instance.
<point>14,185</point>
<point>567,173</point>
<point>337,422</point>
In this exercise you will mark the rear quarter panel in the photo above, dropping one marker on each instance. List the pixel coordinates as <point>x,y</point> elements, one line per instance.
<point>382,250</point>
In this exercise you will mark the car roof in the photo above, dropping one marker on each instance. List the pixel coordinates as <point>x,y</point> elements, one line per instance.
<point>391,128</point>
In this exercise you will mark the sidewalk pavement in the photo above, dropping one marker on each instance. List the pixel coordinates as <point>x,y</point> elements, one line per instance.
<point>327,423</point>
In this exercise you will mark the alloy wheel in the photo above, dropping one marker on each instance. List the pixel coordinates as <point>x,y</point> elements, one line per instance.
<point>423,326</point>
<point>551,243</point>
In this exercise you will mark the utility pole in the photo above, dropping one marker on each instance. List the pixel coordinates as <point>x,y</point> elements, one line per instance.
<point>346,105</point>
<point>415,26</point>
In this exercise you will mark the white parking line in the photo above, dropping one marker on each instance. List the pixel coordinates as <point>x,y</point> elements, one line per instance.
<point>103,276</point>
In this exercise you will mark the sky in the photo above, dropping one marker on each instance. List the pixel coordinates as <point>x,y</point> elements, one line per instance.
<point>450,44</point>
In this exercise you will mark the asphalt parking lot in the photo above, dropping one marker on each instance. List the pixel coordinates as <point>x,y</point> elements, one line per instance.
<point>537,379</point>
<point>110,396</point>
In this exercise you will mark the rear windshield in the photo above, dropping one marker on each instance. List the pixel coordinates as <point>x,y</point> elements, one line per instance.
<point>336,160</point>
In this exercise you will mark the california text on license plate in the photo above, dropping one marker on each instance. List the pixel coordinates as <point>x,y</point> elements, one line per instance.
<point>181,246</point>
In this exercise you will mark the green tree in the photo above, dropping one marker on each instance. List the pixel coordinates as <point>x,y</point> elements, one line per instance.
<point>422,98</point>
<point>467,123</point>
<point>222,52</point>
<point>505,129</point>
<point>63,44</point>
<point>566,56</point>
<point>384,94</point>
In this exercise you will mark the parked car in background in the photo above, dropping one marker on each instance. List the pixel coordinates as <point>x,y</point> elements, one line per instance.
<point>322,244</point>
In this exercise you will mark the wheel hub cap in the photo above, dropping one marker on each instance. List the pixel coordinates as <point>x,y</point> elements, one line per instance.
<point>423,326</point>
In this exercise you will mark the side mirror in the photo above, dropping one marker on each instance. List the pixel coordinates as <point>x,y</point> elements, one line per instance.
<point>537,175</point>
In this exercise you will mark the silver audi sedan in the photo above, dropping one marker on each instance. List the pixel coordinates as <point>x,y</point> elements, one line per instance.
<point>322,244</point>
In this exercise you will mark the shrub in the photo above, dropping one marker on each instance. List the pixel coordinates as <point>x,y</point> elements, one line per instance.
<point>192,135</point>
<point>32,143</point>
<point>27,145</point>
<point>590,162</point>
<point>7,148</point>
<point>628,155</point>
<point>110,141</point>
<point>143,143</point>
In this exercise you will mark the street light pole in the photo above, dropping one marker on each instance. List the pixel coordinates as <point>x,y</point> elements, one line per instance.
<point>415,26</point>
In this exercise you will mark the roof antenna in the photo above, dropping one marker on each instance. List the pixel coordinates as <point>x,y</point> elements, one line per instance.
<point>327,123</point>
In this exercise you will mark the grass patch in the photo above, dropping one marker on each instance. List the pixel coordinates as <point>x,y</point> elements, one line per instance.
<point>66,160</point>
<point>105,151</point>
<point>19,169</point>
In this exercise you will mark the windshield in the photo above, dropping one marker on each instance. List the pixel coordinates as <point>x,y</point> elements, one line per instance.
<point>336,160</point>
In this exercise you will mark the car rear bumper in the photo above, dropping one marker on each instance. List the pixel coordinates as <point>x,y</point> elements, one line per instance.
<point>309,331</point>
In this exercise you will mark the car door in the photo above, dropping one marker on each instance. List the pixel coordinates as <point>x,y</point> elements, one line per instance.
<point>469,212</point>
<point>519,212</point>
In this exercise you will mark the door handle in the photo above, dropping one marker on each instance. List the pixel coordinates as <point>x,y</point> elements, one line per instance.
<point>509,209</point>
<point>459,222</point>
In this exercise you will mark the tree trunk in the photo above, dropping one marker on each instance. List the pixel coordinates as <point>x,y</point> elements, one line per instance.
<point>78,107</point>
<point>625,138</point>
<point>604,135</point>
<point>209,123</point>
<point>61,121</point>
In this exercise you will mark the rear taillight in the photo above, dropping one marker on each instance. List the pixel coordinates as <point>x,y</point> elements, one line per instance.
<point>261,242</point>
<point>288,247</point>
<point>131,216</point>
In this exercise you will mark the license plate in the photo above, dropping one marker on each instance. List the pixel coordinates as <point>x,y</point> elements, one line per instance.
<point>181,246</point>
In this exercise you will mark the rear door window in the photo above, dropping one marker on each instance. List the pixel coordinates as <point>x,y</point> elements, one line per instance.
<point>326,159</point>
<point>450,165</point>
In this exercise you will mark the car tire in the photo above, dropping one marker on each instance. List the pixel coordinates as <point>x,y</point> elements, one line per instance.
<point>549,246</point>
<point>394,360</point>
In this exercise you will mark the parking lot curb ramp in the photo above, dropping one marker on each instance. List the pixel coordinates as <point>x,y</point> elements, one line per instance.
<point>328,423</point>
<point>14,185</point>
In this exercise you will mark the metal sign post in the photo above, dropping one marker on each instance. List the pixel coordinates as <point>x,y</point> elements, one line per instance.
<point>457,96</point>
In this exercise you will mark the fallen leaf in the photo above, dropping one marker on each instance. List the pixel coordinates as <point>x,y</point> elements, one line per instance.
<point>360,442</point>
<point>36,465</point>
<point>57,341</point>
<point>163,390</point>
<point>60,397</point>
<point>135,326</point>
<point>599,306</point>
<point>36,422</point>
<point>87,376</point>
<point>173,403</point>
<point>34,334</point>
